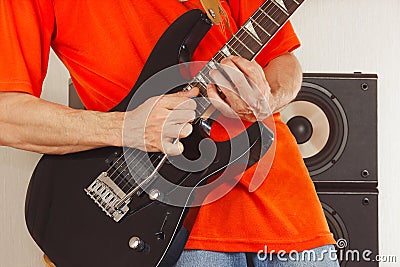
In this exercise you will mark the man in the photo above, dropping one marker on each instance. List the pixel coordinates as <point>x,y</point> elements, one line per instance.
<point>104,45</point>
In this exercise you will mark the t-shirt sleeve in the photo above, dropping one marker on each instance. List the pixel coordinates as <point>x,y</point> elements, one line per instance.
<point>26,29</point>
<point>285,40</point>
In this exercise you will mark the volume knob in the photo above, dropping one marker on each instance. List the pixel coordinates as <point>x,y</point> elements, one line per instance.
<point>136,244</point>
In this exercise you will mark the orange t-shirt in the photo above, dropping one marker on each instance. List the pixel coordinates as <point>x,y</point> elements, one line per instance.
<point>104,45</point>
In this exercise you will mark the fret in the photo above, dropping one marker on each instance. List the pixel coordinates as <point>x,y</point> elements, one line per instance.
<point>202,105</point>
<point>267,33</point>
<point>202,87</point>
<point>226,51</point>
<point>280,7</point>
<point>260,35</point>
<point>203,102</point>
<point>233,50</point>
<point>289,5</point>
<point>252,36</point>
<point>200,108</point>
<point>277,15</point>
<point>238,48</point>
<point>206,75</point>
<point>240,41</point>
<point>188,87</point>
<point>201,77</point>
<point>270,18</point>
<point>292,5</point>
<point>262,21</point>
<point>218,56</point>
<point>248,41</point>
<point>207,68</point>
<point>211,65</point>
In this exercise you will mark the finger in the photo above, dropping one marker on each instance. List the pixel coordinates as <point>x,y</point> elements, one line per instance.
<point>180,100</point>
<point>252,71</point>
<point>177,130</point>
<point>236,75</point>
<point>249,68</point>
<point>181,116</point>
<point>189,93</point>
<point>225,86</point>
<point>185,130</point>
<point>246,95</point>
<point>172,149</point>
<point>218,103</point>
<point>172,102</point>
<point>247,90</point>
<point>240,104</point>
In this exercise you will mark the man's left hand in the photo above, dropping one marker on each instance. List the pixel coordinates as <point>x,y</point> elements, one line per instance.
<point>247,92</point>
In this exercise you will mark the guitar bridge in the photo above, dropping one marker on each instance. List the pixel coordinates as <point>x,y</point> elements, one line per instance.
<point>106,194</point>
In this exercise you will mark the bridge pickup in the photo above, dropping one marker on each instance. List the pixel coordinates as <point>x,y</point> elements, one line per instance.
<point>121,175</point>
<point>106,194</point>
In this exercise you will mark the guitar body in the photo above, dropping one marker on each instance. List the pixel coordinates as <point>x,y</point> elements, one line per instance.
<point>74,232</point>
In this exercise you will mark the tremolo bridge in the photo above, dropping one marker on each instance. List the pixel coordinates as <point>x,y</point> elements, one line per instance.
<point>107,195</point>
<point>113,190</point>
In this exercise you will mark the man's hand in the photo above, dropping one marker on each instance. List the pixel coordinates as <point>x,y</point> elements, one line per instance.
<point>247,93</point>
<point>34,124</point>
<point>154,125</point>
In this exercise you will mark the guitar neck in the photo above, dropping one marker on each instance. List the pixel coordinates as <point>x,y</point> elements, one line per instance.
<point>248,41</point>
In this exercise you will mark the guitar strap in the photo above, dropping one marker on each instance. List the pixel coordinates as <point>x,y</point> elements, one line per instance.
<point>213,10</point>
<point>216,13</point>
<point>47,261</point>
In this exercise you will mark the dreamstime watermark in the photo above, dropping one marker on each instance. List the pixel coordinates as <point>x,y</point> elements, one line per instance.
<point>339,253</point>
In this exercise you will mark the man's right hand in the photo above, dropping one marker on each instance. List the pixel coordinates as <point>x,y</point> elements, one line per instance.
<point>34,124</point>
<point>154,125</point>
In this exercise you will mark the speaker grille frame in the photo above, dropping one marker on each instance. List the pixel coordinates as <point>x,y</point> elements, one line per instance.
<point>357,164</point>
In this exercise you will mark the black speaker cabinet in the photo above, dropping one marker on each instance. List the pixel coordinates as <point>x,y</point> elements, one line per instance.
<point>334,120</point>
<point>353,219</point>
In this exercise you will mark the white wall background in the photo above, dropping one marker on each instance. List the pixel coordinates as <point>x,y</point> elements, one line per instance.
<point>363,35</point>
<point>17,249</point>
<point>337,36</point>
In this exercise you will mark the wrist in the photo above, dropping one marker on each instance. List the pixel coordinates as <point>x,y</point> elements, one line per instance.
<point>116,128</point>
<point>109,128</point>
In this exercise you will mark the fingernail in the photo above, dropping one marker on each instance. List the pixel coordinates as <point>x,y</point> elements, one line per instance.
<point>180,147</point>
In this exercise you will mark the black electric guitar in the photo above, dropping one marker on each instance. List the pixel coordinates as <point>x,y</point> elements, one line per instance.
<point>86,210</point>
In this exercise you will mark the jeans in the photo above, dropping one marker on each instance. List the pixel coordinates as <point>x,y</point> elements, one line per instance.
<point>319,257</point>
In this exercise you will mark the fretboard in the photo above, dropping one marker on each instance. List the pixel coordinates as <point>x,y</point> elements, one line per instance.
<point>248,41</point>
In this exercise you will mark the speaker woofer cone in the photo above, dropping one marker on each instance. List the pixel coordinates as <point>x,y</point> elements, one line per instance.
<point>329,128</point>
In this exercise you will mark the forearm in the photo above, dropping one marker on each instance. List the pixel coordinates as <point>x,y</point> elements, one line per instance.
<point>34,124</point>
<point>284,75</point>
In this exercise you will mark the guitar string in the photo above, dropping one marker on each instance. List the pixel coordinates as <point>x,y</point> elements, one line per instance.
<point>233,48</point>
<point>205,76</point>
<point>238,46</point>
<point>227,44</point>
<point>235,42</point>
